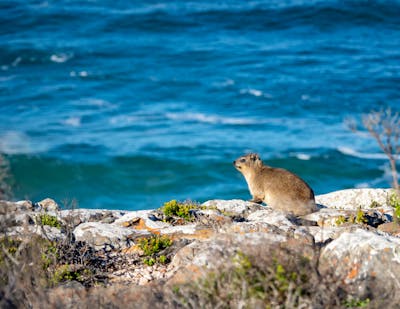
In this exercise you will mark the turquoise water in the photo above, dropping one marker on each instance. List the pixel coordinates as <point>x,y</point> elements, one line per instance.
<point>126,105</point>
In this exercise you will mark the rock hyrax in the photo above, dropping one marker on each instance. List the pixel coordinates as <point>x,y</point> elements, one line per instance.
<point>277,187</point>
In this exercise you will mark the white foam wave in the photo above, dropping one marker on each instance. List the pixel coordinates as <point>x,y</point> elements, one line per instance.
<point>213,119</point>
<point>73,121</point>
<point>14,142</point>
<point>123,120</point>
<point>81,74</point>
<point>303,156</point>
<point>255,92</point>
<point>100,103</point>
<point>225,83</point>
<point>354,153</point>
<point>61,57</point>
<point>363,185</point>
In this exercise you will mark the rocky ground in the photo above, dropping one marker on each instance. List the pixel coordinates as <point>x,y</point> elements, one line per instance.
<point>352,233</point>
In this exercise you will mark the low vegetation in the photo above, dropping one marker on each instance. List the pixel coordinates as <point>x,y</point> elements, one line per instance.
<point>394,201</point>
<point>33,264</point>
<point>281,279</point>
<point>358,218</point>
<point>151,248</point>
<point>46,219</point>
<point>183,210</point>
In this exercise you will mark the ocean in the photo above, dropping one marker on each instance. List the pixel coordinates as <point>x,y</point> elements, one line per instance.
<point>129,104</point>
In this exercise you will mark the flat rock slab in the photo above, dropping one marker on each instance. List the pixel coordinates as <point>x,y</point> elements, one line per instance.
<point>101,234</point>
<point>239,207</point>
<point>352,199</point>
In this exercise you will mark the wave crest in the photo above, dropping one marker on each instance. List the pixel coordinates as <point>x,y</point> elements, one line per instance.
<point>354,153</point>
<point>210,119</point>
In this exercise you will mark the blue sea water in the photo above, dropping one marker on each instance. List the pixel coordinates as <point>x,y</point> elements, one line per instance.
<point>128,104</point>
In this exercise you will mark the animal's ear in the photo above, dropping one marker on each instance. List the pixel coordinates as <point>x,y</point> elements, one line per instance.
<point>254,157</point>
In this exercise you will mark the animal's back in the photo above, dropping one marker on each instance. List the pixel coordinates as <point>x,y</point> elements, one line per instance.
<point>288,192</point>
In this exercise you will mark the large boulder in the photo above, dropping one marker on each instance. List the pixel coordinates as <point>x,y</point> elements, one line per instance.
<point>367,262</point>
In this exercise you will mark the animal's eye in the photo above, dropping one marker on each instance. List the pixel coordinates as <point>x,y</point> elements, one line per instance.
<point>242,160</point>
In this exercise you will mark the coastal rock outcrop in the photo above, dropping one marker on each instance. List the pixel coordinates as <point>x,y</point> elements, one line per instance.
<point>343,238</point>
<point>368,262</point>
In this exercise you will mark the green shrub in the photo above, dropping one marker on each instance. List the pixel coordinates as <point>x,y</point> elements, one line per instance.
<point>65,273</point>
<point>360,217</point>
<point>340,220</point>
<point>154,244</point>
<point>46,219</point>
<point>182,210</point>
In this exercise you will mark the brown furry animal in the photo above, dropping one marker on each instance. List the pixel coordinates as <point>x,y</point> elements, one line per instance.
<point>277,187</point>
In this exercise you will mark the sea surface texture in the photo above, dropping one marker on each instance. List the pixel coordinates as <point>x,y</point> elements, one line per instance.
<point>128,104</point>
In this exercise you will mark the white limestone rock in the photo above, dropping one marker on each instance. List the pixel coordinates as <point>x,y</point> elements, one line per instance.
<point>146,216</point>
<point>366,261</point>
<point>239,207</point>
<point>353,199</point>
<point>103,234</point>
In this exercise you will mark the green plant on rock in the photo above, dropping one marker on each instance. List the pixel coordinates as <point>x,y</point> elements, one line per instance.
<point>394,201</point>
<point>65,273</point>
<point>356,303</point>
<point>46,219</point>
<point>152,246</point>
<point>360,217</point>
<point>149,261</point>
<point>179,209</point>
<point>162,259</point>
<point>340,220</point>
